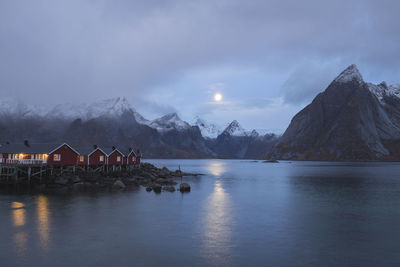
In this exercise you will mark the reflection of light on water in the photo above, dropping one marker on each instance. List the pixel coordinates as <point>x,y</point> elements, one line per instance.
<point>216,168</point>
<point>217,231</point>
<point>19,219</point>
<point>18,214</point>
<point>43,220</point>
<point>20,239</point>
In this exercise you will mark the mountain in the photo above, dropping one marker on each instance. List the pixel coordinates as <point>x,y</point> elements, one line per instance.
<point>235,129</point>
<point>114,122</point>
<point>208,130</point>
<point>108,108</point>
<point>236,142</point>
<point>169,122</point>
<point>350,120</point>
<point>16,108</point>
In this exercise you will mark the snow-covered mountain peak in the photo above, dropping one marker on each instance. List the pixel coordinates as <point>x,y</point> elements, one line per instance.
<point>254,133</point>
<point>381,90</point>
<point>349,74</point>
<point>208,130</point>
<point>235,129</point>
<point>171,117</point>
<point>13,107</point>
<point>169,122</point>
<point>110,108</point>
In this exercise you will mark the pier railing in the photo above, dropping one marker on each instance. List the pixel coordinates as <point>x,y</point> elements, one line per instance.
<point>23,161</point>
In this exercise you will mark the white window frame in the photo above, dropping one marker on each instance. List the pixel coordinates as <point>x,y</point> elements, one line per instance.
<point>81,158</point>
<point>118,158</point>
<point>101,158</point>
<point>59,157</point>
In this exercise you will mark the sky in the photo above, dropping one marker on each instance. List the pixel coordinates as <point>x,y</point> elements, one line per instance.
<point>268,58</point>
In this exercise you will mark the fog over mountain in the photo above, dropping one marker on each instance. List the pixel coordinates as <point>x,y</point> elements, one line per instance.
<point>350,120</point>
<point>114,122</point>
<point>267,59</point>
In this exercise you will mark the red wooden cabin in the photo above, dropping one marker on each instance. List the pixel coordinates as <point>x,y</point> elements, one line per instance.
<point>130,157</point>
<point>138,157</point>
<point>115,157</point>
<point>97,157</point>
<point>63,155</point>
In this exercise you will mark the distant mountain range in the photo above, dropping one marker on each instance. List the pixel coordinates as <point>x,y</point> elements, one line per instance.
<point>114,122</point>
<point>351,120</point>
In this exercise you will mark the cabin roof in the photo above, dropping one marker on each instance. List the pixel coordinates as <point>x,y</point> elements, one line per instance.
<point>127,152</point>
<point>31,148</point>
<point>86,150</point>
<point>110,150</point>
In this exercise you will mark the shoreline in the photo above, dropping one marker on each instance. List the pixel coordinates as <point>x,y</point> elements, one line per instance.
<point>148,176</point>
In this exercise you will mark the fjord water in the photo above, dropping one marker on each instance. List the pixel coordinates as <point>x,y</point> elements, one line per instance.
<point>240,213</point>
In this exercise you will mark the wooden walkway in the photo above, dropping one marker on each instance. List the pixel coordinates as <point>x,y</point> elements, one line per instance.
<point>12,173</point>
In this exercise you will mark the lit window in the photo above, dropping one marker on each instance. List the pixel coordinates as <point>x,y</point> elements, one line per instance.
<point>101,158</point>
<point>81,158</point>
<point>57,157</point>
<point>119,158</point>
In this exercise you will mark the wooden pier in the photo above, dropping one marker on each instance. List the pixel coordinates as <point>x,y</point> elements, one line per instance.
<point>12,173</point>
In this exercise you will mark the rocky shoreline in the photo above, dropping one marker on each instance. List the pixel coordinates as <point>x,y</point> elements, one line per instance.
<point>148,176</point>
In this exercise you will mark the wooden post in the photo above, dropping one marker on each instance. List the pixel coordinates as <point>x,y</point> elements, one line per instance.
<point>29,174</point>
<point>180,172</point>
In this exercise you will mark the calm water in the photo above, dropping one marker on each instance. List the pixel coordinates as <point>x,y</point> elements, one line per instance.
<point>241,213</point>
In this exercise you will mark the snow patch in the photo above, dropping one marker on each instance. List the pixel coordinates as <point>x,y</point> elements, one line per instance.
<point>208,130</point>
<point>111,108</point>
<point>381,90</point>
<point>169,122</point>
<point>349,74</point>
<point>235,129</point>
<point>13,107</point>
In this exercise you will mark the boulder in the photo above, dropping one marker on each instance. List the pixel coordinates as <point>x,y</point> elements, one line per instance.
<point>148,189</point>
<point>184,187</point>
<point>157,188</point>
<point>165,169</point>
<point>118,185</point>
<point>161,181</point>
<point>171,182</point>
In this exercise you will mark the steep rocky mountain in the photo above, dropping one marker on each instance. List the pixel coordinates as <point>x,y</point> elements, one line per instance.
<point>235,142</point>
<point>181,135</point>
<point>235,129</point>
<point>208,130</point>
<point>350,120</point>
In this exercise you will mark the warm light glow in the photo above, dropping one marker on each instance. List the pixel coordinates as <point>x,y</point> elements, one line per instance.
<point>18,214</point>
<point>21,156</point>
<point>217,97</point>
<point>20,239</point>
<point>17,205</point>
<point>43,220</point>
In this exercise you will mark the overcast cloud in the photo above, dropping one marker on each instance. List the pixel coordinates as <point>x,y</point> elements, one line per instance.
<point>171,54</point>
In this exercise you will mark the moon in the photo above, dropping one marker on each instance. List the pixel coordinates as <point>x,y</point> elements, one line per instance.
<point>218,97</point>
